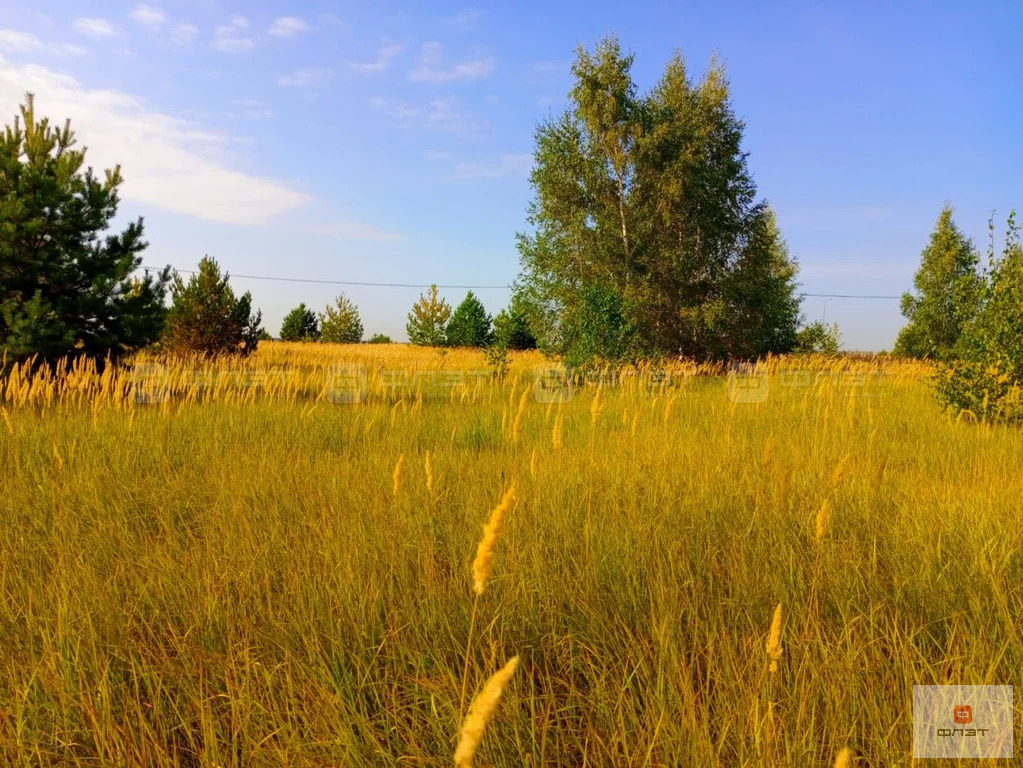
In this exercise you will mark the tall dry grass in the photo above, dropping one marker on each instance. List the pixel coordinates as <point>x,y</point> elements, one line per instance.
<point>236,575</point>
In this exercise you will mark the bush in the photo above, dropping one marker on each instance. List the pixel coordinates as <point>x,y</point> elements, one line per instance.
<point>379,338</point>
<point>818,338</point>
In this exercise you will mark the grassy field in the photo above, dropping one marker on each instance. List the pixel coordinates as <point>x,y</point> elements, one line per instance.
<point>275,568</point>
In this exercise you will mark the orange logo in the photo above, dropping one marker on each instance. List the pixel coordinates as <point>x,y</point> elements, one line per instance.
<point>962,714</point>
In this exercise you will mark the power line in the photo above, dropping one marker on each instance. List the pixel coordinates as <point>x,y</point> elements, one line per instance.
<point>466,287</point>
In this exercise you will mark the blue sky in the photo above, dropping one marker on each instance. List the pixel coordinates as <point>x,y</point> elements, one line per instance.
<point>391,142</point>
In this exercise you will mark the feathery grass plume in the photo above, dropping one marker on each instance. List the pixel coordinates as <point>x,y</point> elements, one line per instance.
<point>774,639</point>
<point>517,422</point>
<point>58,459</point>
<point>485,551</point>
<point>7,420</point>
<point>532,464</point>
<point>428,466</point>
<point>823,519</point>
<point>397,473</point>
<point>844,758</point>
<point>480,712</point>
<point>595,409</point>
<point>556,434</point>
<point>840,470</point>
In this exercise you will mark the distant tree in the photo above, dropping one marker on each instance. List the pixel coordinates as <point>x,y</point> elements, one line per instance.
<point>511,326</point>
<point>948,289</point>
<point>340,323</point>
<point>984,372</point>
<point>300,324</point>
<point>470,325</point>
<point>427,322</point>
<point>66,286</point>
<point>645,215</point>
<point>818,338</point>
<point>205,317</point>
<point>379,338</point>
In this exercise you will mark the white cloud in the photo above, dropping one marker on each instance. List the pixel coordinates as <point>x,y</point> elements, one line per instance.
<point>12,40</point>
<point>232,37</point>
<point>148,15</point>
<point>287,26</point>
<point>23,42</point>
<point>431,71</point>
<point>168,163</point>
<point>442,115</point>
<point>304,78</point>
<point>95,27</point>
<point>464,19</point>
<point>383,60</point>
<point>504,166</point>
<point>184,33</point>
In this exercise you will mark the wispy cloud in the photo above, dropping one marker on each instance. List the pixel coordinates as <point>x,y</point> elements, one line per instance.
<point>148,15</point>
<point>253,109</point>
<point>465,19</point>
<point>168,163</point>
<point>442,115</point>
<point>287,26</point>
<point>13,41</point>
<point>92,27</point>
<point>383,60</point>
<point>305,78</point>
<point>504,166</point>
<point>233,37</point>
<point>431,69</point>
<point>184,33</point>
<point>16,42</point>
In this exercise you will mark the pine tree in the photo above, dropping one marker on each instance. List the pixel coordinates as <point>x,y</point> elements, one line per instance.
<point>427,322</point>
<point>645,213</point>
<point>300,324</point>
<point>205,316</point>
<point>470,325</point>
<point>948,288</point>
<point>340,323</point>
<point>66,285</point>
<point>512,325</point>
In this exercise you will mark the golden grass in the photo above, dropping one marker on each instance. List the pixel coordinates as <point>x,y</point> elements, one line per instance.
<point>226,569</point>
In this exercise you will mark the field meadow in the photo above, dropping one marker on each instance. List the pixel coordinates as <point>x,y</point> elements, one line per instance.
<point>269,563</point>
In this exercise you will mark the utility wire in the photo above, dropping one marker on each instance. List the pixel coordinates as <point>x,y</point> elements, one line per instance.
<point>464,287</point>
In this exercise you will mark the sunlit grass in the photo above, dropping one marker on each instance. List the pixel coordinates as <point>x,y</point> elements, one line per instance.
<point>268,575</point>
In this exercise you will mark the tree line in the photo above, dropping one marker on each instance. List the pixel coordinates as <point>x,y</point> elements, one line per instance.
<point>647,238</point>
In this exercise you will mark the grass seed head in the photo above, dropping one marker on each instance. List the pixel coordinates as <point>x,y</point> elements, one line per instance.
<point>485,551</point>
<point>774,639</point>
<point>480,712</point>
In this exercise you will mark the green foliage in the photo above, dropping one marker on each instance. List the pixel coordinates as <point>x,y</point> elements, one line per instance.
<point>985,374</point>
<point>300,324</point>
<point>206,318</point>
<point>497,358</point>
<point>340,323</point>
<point>512,325</point>
<point>649,199</point>
<point>818,338</point>
<point>427,322</point>
<point>470,325</point>
<point>66,287</point>
<point>948,289</point>
<point>379,338</point>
